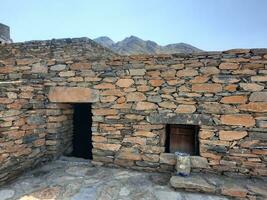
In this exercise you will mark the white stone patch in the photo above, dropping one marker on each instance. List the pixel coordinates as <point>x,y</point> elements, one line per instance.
<point>124,191</point>
<point>6,194</point>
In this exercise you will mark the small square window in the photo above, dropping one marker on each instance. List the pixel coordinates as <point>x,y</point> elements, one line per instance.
<point>182,138</point>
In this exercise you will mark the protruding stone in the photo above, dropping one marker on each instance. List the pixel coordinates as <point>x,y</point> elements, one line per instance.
<point>234,191</point>
<point>199,162</point>
<point>167,158</point>
<point>238,120</point>
<point>232,135</point>
<point>229,66</point>
<point>125,83</point>
<point>73,94</point>
<point>192,182</point>
<point>254,107</point>
<point>238,99</point>
<point>129,154</point>
<point>135,96</point>
<point>258,96</point>
<point>145,106</point>
<point>39,68</point>
<point>207,87</point>
<point>185,109</point>
<point>137,72</point>
<point>156,82</point>
<point>251,87</point>
<point>58,67</point>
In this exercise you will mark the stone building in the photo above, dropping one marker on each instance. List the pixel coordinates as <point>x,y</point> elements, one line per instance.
<point>4,34</point>
<point>74,97</point>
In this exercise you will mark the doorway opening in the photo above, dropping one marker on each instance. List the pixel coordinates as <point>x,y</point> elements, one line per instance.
<point>182,138</point>
<point>82,133</point>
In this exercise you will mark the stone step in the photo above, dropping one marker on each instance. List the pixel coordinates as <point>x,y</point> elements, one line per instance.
<point>235,187</point>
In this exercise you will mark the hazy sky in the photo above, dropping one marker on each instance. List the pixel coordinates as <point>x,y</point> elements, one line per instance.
<point>206,24</point>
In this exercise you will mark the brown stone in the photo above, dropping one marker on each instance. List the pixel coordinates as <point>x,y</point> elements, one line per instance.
<point>135,96</point>
<point>167,158</point>
<point>210,155</point>
<point>135,140</point>
<point>259,78</point>
<point>232,135</point>
<point>134,117</point>
<point>177,66</point>
<point>207,87</point>
<point>39,68</point>
<point>108,147</point>
<point>143,88</point>
<point>234,191</point>
<point>145,106</point>
<point>80,66</point>
<point>186,72</point>
<point>104,111</point>
<point>147,134</point>
<point>185,109</point>
<point>113,92</point>
<point>167,104</point>
<point>156,82</point>
<point>150,157</point>
<point>252,66</point>
<point>125,83</point>
<point>129,154</point>
<point>57,118</point>
<point>229,66</point>
<point>209,70</point>
<point>6,70</point>
<point>238,99</point>
<point>230,88</point>
<point>6,100</point>
<point>254,107</point>
<point>72,94</point>
<point>258,96</point>
<point>105,99</point>
<point>105,86</point>
<point>67,74</point>
<point>238,120</point>
<point>200,79</point>
<point>121,100</point>
<point>206,134</point>
<point>251,87</point>
<point>99,139</point>
<point>137,72</point>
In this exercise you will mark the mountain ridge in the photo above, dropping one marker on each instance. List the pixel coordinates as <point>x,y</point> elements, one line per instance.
<point>134,45</point>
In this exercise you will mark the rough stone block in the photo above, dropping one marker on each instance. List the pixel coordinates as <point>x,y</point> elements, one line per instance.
<point>73,95</point>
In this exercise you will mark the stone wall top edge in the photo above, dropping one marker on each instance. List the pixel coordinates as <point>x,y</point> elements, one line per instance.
<point>83,40</point>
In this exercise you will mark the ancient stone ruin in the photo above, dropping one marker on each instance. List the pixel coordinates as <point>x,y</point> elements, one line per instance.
<point>4,34</point>
<point>74,97</point>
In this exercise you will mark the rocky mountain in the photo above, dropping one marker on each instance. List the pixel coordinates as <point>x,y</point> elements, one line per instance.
<point>135,45</point>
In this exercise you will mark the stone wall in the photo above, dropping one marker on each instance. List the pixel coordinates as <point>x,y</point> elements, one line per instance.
<point>133,98</point>
<point>4,34</point>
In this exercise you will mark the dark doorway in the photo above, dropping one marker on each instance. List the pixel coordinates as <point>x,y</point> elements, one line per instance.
<point>182,138</point>
<point>82,133</point>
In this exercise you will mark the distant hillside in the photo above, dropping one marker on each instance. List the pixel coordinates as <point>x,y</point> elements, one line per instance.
<point>135,45</point>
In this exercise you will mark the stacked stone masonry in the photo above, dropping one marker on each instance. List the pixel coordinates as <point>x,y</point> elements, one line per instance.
<point>133,99</point>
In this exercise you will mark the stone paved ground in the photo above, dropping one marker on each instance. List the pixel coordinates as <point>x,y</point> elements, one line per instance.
<point>79,180</point>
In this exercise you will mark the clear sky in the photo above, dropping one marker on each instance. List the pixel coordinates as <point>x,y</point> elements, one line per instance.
<point>206,24</point>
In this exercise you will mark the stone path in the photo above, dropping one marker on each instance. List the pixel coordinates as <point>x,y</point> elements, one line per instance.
<point>78,180</point>
<point>236,187</point>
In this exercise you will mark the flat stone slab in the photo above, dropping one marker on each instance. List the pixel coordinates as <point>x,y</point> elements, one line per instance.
<point>234,187</point>
<point>67,179</point>
<point>73,95</point>
<point>193,183</point>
